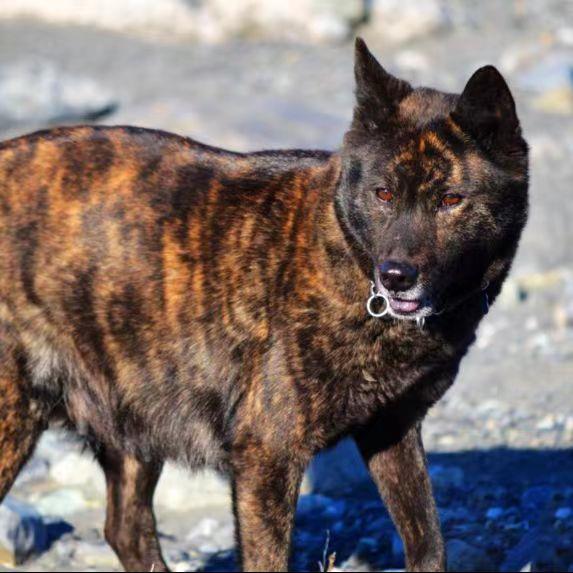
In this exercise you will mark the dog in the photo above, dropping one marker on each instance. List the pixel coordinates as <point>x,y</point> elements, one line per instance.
<point>167,300</point>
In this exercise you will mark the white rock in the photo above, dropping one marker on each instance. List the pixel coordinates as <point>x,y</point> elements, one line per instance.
<point>547,423</point>
<point>62,503</point>
<point>565,35</point>
<point>97,555</point>
<point>553,72</point>
<point>78,470</point>
<point>36,91</point>
<point>22,532</point>
<point>412,60</point>
<point>404,20</point>
<point>181,490</point>
<point>173,15</point>
<point>212,20</point>
<point>37,469</point>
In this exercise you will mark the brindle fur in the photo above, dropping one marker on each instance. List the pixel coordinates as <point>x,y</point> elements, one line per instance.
<point>169,300</point>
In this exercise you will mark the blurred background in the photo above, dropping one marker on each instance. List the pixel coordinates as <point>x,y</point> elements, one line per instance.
<point>251,74</point>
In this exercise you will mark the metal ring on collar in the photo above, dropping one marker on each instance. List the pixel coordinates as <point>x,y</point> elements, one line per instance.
<point>371,300</point>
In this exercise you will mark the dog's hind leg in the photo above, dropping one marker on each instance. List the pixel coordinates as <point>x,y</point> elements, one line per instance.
<point>23,414</point>
<point>130,523</point>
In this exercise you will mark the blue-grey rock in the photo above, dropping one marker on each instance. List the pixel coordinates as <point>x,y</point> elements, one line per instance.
<point>338,469</point>
<point>445,477</point>
<point>62,502</point>
<point>564,513</point>
<point>465,557</point>
<point>22,532</point>
<point>36,469</point>
<point>38,92</point>
<point>538,497</point>
<point>316,504</point>
<point>537,549</point>
<point>494,513</point>
<point>554,71</point>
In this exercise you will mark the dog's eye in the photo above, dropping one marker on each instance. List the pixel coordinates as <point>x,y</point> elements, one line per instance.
<point>450,200</point>
<point>384,195</point>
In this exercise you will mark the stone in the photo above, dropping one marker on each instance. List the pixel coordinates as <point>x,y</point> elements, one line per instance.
<point>494,513</point>
<point>35,470</point>
<point>211,20</point>
<point>211,535</point>
<point>554,71</point>
<point>401,21</point>
<point>465,557</point>
<point>536,549</point>
<point>565,36</point>
<point>97,554</point>
<point>547,423</point>
<point>412,61</point>
<point>38,92</point>
<point>337,470</point>
<point>445,477</point>
<point>557,101</point>
<point>317,504</point>
<point>454,514</point>
<point>537,497</point>
<point>62,502</point>
<point>78,470</point>
<point>132,16</point>
<point>22,532</point>
<point>181,490</point>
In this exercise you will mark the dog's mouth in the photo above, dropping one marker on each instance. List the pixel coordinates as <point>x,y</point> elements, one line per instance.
<point>410,305</point>
<point>404,307</point>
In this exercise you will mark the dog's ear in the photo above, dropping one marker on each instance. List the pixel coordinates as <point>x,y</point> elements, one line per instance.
<point>486,110</point>
<point>378,93</point>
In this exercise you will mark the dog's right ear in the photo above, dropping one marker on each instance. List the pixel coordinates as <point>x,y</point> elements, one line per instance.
<point>378,93</point>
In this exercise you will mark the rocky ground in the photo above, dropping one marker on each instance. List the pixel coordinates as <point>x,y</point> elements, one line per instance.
<point>500,442</point>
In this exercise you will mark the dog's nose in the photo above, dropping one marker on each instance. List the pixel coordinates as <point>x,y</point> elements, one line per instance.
<point>397,276</point>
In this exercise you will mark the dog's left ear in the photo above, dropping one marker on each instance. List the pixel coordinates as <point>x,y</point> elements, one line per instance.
<point>486,110</point>
<point>378,93</point>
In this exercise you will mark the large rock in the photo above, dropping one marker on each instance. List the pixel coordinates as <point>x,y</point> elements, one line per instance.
<point>553,71</point>
<point>211,535</point>
<point>37,92</point>
<point>204,19</point>
<point>181,490</point>
<point>404,20</point>
<point>536,551</point>
<point>446,477</point>
<point>79,470</point>
<point>337,470</point>
<point>62,503</point>
<point>22,532</point>
<point>465,557</point>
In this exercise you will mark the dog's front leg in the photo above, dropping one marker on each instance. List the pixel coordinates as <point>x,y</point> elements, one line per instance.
<point>265,492</point>
<point>397,463</point>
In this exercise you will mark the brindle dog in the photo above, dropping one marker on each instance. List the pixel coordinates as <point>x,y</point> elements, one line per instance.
<point>169,300</point>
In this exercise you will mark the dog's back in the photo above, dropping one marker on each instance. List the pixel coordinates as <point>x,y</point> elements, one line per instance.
<point>135,270</point>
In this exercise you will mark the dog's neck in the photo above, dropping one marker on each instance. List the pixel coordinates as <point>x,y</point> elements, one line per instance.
<point>333,255</point>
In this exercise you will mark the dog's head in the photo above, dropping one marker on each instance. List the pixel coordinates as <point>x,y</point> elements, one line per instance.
<point>433,191</point>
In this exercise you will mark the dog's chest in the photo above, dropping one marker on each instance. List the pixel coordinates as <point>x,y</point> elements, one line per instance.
<point>361,368</point>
